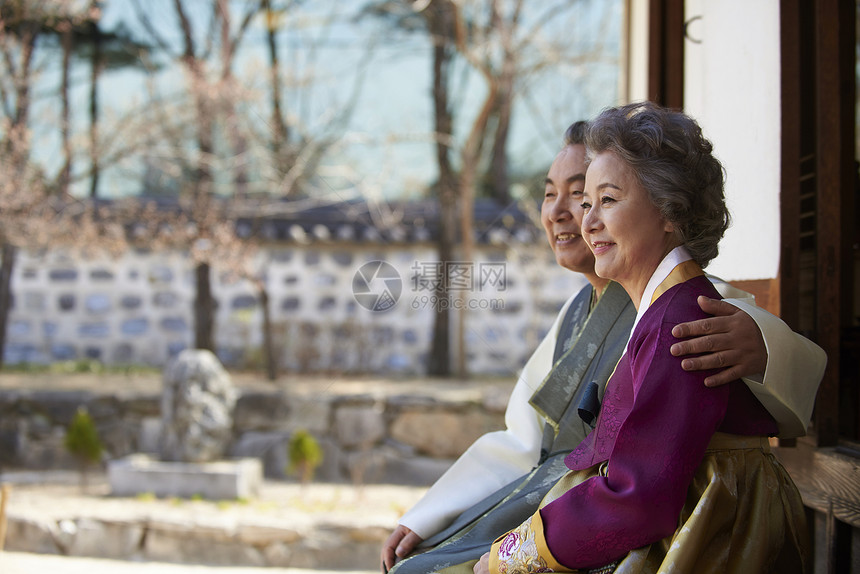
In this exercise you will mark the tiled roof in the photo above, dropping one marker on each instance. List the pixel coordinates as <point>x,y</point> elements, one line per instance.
<point>404,222</point>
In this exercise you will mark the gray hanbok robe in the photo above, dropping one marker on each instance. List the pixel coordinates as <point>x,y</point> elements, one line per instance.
<point>588,347</point>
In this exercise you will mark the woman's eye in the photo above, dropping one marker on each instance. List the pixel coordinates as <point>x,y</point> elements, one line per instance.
<point>607,199</point>
<point>585,206</point>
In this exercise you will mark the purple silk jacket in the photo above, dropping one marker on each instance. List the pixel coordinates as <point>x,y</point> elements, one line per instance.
<point>654,426</point>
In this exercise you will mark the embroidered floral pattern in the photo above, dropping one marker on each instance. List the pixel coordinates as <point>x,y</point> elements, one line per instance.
<point>518,553</point>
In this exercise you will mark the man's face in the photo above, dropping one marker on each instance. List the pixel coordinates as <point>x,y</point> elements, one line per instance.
<point>561,212</point>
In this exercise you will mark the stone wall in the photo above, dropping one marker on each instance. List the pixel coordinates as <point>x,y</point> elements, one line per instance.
<point>137,309</point>
<point>399,434</point>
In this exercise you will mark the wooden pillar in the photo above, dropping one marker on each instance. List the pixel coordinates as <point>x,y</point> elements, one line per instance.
<point>831,113</point>
<point>666,52</point>
<point>789,264</point>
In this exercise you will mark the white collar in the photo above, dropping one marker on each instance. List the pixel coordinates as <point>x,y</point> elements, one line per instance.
<point>672,260</point>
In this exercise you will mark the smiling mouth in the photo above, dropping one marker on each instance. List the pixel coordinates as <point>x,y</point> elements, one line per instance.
<point>566,236</point>
<point>599,247</point>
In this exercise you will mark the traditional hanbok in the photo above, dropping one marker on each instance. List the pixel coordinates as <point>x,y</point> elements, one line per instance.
<point>676,477</point>
<point>588,345</point>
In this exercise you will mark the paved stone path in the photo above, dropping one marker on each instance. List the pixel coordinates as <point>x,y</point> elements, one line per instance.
<point>319,527</point>
<point>25,563</point>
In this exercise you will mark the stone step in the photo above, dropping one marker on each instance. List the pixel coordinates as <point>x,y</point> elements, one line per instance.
<point>315,526</point>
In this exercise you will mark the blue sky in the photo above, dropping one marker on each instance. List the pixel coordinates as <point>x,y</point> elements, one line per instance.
<point>386,146</point>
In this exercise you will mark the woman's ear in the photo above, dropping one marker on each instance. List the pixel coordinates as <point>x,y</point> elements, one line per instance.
<point>669,227</point>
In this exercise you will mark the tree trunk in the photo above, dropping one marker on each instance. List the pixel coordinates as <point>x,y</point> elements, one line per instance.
<point>499,177</point>
<point>10,254</point>
<point>280,131</point>
<point>95,72</point>
<point>440,22</point>
<point>204,309</point>
<point>65,119</point>
<point>268,340</point>
<point>471,155</point>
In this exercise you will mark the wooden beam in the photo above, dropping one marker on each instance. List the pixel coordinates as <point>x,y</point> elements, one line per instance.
<point>666,52</point>
<point>829,170</point>
<point>766,292</point>
<point>655,51</point>
<point>789,263</point>
<point>673,81</point>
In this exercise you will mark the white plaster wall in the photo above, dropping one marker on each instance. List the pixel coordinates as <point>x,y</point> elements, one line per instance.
<point>732,87</point>
<point>325,331</point>
<point>636,57</point>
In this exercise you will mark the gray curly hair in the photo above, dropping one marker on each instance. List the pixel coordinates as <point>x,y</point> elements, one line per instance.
<point>674,163</point>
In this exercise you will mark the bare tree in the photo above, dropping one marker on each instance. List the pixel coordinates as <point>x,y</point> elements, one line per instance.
<point>217,117</point>
<point>36,210</point>
<point>19,30</point>
<point>211,89</point>
<point>504,46</point>
<point>440,18</point>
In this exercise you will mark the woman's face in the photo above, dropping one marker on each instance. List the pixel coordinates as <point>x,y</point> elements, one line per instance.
<point>561,211</point>
<point>622,227</point>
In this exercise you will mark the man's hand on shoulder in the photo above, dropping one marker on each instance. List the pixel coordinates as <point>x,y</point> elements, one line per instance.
<point>730,340</point>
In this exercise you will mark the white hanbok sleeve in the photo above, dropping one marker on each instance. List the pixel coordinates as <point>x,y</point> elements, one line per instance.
<point>496,458</point>
<point>795,366</point>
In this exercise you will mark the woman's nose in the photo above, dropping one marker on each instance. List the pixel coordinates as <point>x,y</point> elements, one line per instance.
<point>590,220</point>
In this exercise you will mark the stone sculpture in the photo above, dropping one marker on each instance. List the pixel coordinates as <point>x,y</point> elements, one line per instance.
<point>196,408</point>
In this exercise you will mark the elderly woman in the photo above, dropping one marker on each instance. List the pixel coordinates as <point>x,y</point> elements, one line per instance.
<point>676,477</point>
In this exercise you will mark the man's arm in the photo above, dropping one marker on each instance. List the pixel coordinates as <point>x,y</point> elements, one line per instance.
<point>782,368</point>
<point>494,460</point>
<point>729,338</point>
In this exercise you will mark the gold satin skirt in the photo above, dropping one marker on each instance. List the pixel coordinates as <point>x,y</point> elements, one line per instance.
<point>743,515</point>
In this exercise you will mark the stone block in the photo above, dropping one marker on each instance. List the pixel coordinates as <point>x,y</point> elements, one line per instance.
<point>312,414</point>
<point>187,547</point>
<point>359,426</point>
<point>269,447</point>
<point>150,431</point>
<point>261,411</point>
<point>440,434</point>
<point>221,480</point>
<point>139,405</point>
<point>278,555</point>
<point>260,535</point>
<point>60,406</point>
<point>27,535</point>
<point>369,534</point>
<point>366,466</point>
<point>414,471</point>
<point>329,469</point>
<point>116,540</point>
<point>331,548</point>
<point>495,400</point>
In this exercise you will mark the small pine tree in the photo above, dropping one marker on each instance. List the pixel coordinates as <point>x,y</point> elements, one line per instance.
<point>305,455</point>
<point>82,441</point>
